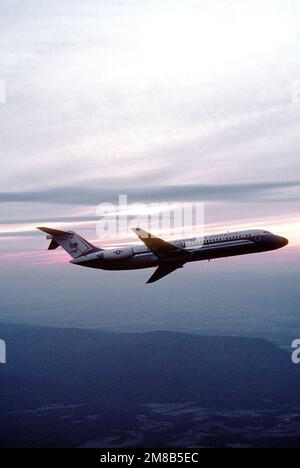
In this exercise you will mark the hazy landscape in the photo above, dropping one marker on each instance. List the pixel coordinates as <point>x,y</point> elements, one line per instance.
<point>88,388</point>
<point>250,296</point>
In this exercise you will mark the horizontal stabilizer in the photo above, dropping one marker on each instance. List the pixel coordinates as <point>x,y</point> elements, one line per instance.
<point>53,245</point>
<point>54,232</point>
<point>71,242</point>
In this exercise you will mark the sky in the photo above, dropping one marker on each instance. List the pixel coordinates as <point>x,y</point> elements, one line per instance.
<point>186,102</point>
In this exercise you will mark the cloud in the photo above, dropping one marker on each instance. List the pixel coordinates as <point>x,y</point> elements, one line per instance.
<point>109,89</point>
<point>106,98</point>
<point>254,192</point>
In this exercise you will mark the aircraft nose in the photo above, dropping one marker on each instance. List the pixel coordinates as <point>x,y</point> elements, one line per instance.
<point>283,241</point>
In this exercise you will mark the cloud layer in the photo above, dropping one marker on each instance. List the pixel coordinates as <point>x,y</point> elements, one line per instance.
<point>164,102</point>
<point>256,192</point>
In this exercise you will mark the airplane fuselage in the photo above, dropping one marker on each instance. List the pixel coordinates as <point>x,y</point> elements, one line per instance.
<point>200,248</point>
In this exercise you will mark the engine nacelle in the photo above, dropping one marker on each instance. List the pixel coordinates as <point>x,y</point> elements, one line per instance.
<point>118,254</point>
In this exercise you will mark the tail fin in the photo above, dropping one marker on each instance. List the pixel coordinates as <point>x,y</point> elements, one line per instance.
<point>71,242</point>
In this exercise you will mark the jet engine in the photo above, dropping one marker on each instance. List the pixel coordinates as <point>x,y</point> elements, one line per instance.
<point>118,254</point>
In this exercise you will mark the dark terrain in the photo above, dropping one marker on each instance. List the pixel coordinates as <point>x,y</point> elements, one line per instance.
<point>72,387</point>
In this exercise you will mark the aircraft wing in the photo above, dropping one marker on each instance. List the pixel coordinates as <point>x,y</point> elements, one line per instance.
<point>160,247</point>
<point>163,270</point>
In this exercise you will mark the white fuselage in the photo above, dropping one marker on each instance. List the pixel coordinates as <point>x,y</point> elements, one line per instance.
<point>201,248</point>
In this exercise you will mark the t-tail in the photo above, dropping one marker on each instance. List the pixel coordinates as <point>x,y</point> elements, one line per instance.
<point>71,242</point>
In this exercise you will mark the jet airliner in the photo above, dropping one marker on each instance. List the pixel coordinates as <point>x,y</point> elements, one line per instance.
<point>166,256</point>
